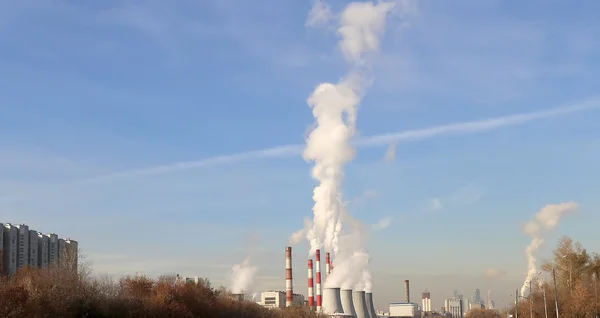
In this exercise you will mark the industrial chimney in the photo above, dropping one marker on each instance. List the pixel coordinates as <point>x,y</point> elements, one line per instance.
<point>407,291</point>
<point>289,289</point>
<point>332,303</point>
<point>318,283</point>
<point>347,303</point>
<point>360,304</point>
<point>327,264</point>
<point>311,292</point>
<point>370,305</point>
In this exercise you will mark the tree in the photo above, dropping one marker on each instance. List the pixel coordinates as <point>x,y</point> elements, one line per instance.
<point>482,313</point>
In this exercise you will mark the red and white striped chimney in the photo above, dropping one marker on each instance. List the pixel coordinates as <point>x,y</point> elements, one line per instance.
<point>289,289</point>
<point>327,264</point>
<point>318,273</point>
<point>311,291</point>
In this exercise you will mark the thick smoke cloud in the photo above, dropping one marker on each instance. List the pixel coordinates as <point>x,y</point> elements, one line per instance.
<point>334,107</point>
<point>242,276</point>
<point>545,219</point>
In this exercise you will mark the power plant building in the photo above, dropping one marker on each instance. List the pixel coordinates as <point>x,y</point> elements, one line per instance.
<point>22,247</point>
<point>276,299</point>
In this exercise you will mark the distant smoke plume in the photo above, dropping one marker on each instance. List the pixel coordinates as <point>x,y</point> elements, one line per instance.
<point>546,219</point>
<point>334,107</point>
<point>390,153</point>
<point>242,277</point>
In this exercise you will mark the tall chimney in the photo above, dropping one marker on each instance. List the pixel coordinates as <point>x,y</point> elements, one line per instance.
<point>407,291</point>
<point>318,273</point>
<point>327,264</point>
<point>289,289</point>
<point>311,292</point>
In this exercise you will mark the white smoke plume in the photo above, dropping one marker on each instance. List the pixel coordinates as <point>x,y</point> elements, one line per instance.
<point>242,276</point>
<point>545,219</point>
<point>335,106</point>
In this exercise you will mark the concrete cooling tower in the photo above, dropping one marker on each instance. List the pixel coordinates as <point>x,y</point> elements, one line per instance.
<point>332,302</point>
<point>347,303</point>
<point>370,305</point>
<point>360,305</point>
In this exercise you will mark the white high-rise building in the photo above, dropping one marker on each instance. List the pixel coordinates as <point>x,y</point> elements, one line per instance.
<point>43,249</point>
<point>9,248</point>
<point>33,249</point>
<point>454,306</point>
<point>426,302</point>
<point>23,250</point>
<point>52,248</point>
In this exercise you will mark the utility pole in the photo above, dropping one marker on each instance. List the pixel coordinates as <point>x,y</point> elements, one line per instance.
<point>517,304</point>
<point>596,295</point>
<point>545,304</point>
<point>530,301</point>
<point>555,291</point>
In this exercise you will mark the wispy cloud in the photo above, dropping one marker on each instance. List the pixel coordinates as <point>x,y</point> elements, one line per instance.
<point>494,273</point>
<point>382,224</point>
<point>390,153</point>
<point>287,151</point>
<point>367,195</point>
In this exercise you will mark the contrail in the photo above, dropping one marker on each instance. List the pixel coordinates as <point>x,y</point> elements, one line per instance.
<point>461,128</point>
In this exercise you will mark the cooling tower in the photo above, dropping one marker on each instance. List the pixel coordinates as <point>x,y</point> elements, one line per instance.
<point>407,291</point>
<point>289,289</point>
<point>360,304</point>
<point>311,292</point>
<point>332,303</point>
<point>318,280</point>
<point>370,305</point>
<point>347,303</point>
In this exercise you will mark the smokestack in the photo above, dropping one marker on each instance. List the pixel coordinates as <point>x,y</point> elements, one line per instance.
<point>311,292</point>
<point>289,289</point>
<point>347,303</point>
<point>360,304</point>
<point>318,273</point>
<point>370,305</point>
<point>327,264</point>
<point>332,303</point>
<point>407,291</point>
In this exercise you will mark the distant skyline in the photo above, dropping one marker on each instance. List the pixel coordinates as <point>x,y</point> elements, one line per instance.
<point>166,138</point>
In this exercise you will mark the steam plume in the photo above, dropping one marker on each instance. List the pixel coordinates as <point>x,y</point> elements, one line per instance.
<point>545,219</point>
<point>242,276</point>
<point>335,106</point>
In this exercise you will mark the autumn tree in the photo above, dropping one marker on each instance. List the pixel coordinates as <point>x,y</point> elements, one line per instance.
<point>482,313</point>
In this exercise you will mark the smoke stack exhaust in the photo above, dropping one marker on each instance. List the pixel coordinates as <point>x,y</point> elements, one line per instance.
<point>311,292</point>
<point>289,289</point>
<point>407,291</point>
<point>327,264</point>
<point>318,273</point>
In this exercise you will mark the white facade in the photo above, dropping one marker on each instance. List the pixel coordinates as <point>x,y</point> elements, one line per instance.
<point>276,299</point>
<point>23,249</point>
<point>185,280</point>
<point>52,248</point>
<point>273,299</point>
<point>33,249</point>
<point>404,310</point>
<point>42,250</point>
<point>10,238</point>
<point>454,306</point>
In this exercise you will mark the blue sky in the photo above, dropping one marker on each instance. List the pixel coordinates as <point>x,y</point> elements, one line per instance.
<point>95,97</point>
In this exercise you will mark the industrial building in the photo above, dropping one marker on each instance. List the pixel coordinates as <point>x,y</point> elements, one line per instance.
<point>22,247</point>
<point>277,299</point>
<point>454,306</point>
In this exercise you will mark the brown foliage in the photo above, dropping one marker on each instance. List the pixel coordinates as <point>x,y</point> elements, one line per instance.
<point>482,313</point>
<point>62,292</point>
<point>577,285</point>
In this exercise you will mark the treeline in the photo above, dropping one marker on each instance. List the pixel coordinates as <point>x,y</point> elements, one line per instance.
<point>63,292</point>
<point>577,272</point>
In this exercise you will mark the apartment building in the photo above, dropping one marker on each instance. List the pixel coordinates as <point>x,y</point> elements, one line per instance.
<point>22,247</point>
